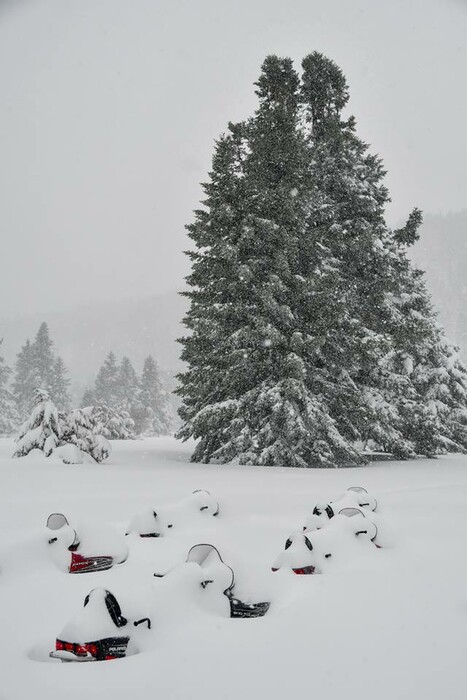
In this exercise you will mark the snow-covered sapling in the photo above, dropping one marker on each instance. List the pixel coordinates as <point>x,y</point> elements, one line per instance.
<point>42,429</point>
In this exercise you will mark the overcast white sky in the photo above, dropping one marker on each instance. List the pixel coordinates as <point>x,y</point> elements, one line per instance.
<point>109,108</point>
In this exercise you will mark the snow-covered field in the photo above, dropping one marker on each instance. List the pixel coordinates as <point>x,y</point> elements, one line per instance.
<point>389,625</point>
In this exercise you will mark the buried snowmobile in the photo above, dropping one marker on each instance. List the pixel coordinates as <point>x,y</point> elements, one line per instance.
<point>157,522</point>
<point>217,580</point>
<point>348,534</point>
<point>70,553</point>
<point>354,497</point>
<point>98,633</point>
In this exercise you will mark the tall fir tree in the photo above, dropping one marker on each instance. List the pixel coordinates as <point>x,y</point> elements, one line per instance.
<point>44,358</point>
<point>152,414</point>
<point>9,416</point>
<point>107,388</point>
<point>60,385</point>
<point>128,386</point>
<point>88,398</point>
<point>26,379</point>
<point>311,334</point>
<point>246,392</point>
<point>37,366</point>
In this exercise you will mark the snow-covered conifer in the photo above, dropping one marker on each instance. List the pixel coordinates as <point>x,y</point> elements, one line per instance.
<point>44,358</point>
<point>248,391</point>
<point>88,399</point>
<point>38,366</point>
<point>151,412</point>
<point>107,388</point>
<point>310,332</point>
<point>25,379</point>
<point>9,417</point>
<point>42,429</point>
<point>60,385</point>
<point>128,387</point>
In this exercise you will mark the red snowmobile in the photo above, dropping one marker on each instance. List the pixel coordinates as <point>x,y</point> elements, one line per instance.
<point>68,550</point>
<point>98,633</point>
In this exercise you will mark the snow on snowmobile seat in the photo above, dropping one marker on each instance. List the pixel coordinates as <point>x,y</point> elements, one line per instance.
<point>99,620</point>
<point>299,556</point>
<point>157,522</point>
<point>354,496</point>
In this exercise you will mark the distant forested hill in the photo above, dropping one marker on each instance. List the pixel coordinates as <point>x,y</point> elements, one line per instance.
<point>84,335</point>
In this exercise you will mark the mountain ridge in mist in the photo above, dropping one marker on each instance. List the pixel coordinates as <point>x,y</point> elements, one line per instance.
<point>442,253</point>
<point>83,335</point>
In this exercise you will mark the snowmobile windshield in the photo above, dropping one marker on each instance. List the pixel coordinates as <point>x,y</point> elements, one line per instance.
<point>350,512</point>
<point>203,554</point>
<point>209,559</point>
<point>56,521</point>
<point>357,489</point>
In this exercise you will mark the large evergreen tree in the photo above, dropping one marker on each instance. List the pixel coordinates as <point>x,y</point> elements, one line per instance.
<point>247,393</point>
<point>310,333</point>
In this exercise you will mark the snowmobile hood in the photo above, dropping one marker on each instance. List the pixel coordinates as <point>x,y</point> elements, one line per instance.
<point>159,521</point>
<point>299,553</point>
<point>93,621</point>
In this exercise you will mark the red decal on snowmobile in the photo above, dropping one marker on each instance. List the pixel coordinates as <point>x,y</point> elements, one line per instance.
<point>304,570</point>
<point>81,565</point>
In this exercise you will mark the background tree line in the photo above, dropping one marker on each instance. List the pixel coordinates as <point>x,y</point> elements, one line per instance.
<point>138,403</point>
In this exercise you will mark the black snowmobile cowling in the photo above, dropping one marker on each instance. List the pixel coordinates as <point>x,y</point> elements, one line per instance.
<point>354,497</point>
<point>160,520</point>
<point>96,551</point>
<point>98,633</point>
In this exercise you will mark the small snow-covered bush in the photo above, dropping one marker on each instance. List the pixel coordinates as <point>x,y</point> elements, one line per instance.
<point>81,430</point>
<point>113,424</point>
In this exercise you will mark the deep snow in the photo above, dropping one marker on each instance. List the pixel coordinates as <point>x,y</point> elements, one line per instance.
<point>389,625</point>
